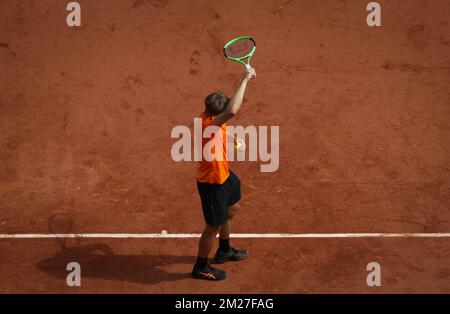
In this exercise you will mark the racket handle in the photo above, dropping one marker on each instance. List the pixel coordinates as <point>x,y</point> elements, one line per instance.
<point>248,66</point>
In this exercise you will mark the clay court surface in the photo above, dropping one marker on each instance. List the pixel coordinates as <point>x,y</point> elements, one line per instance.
<point>86,115</point>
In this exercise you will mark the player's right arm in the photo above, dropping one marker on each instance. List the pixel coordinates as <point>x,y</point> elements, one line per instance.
<point>236,100</point>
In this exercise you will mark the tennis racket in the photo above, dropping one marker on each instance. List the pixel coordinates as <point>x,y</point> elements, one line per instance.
<point>240,49</point>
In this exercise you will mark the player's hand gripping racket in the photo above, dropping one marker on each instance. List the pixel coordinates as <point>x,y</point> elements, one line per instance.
<point>240,49</point>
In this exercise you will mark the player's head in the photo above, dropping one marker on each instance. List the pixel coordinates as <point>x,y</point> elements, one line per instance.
<point>216,103</point>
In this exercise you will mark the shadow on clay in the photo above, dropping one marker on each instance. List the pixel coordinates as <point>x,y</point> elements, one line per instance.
<point>99,261</point>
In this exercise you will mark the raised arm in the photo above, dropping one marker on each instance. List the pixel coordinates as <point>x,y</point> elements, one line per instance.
<point>236,101</point>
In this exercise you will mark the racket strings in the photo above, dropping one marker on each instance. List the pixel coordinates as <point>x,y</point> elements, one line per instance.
<point>240,48</point>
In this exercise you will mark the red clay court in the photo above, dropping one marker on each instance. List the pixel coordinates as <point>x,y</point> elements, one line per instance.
<point>86,116</point>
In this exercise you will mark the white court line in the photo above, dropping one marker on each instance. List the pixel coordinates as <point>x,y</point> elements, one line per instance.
<point>233,235</point>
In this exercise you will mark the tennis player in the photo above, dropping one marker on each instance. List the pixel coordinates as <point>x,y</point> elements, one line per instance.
<point>218,186</point>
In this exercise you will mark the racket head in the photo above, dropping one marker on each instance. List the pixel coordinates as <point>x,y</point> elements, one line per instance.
<point>239,49</point>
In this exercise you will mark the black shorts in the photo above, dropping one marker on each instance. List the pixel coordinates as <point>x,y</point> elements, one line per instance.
<point>216,198</point>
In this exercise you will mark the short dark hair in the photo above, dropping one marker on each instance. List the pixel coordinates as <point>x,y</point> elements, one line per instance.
<point>216,103</point>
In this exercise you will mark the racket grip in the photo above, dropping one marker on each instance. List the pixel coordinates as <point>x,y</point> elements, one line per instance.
<point>248,66</point>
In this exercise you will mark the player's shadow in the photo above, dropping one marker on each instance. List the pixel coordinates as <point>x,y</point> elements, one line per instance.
<point>99,261</point>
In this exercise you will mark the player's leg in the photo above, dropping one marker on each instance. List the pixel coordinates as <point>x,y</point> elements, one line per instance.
<point>202,269</point>
<point>215,216</point>
<point>225,230</point>
<point>224,237</point>
<point>225,252</point>
<point>207,241</point>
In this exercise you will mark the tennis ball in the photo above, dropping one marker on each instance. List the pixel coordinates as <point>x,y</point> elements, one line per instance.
<point>240,145</point>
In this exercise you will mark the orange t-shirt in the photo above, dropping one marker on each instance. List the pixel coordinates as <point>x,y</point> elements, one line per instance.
<point>214,171</point>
